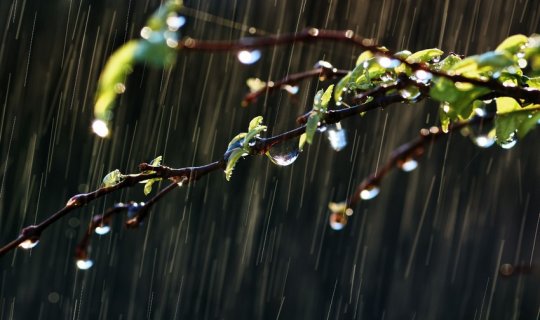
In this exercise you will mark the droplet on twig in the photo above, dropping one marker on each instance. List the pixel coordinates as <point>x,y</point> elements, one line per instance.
<point>102,229</point>
<point>337,136</point>
<point>100,128</point>
<point>248,57</point>
<point>369,192</point>
<point>337,221</point>
<point>84,264</point>
<point>285,153</point>
<point>28,244</point>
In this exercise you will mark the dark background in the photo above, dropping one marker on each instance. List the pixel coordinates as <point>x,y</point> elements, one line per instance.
<point>258,247</point>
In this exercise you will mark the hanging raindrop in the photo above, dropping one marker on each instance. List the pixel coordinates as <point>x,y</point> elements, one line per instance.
<point>102,229</point>
<point>369,192</point>
<point>337,136</point>
<point>28,244</point>
<point>175,22</point>
<point>100,128</point>
<point>408,165</point>
<point>337,221</point>
<point>483,141</point>
<point>388,63</point>
<point>285,153</point>
<point>248,57</point>
<point>84,264</point>
<point>410,93</point>
<point>510,143</point>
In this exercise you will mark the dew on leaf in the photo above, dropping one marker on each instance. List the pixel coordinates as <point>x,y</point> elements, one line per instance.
<point>510,143</point>
<point>248,57</point>
<point>175,22</point>
<point>387,62</point>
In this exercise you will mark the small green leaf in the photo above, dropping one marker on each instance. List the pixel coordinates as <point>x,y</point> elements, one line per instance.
<point>148,185</point>
<point>311,126</point>
<point>255,128</point>
<point>235,155</point>
<point>513,44</point>
<point>302,141</point>
<point>340,87</point>
<point>364,56</point>
<point>156,161</point>
<point>326,98</point>
<point>459,97</point>
<point>236,139</point>
<point>337,207</point>
<point>424,55</point>
<point>112,178</point>
<point>255,122</point>
<point>255,84</point>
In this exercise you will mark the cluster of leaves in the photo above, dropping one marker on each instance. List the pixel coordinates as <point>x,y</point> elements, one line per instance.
<point>115,177</point>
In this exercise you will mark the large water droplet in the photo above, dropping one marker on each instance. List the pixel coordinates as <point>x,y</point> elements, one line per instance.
<point>510,143</point>
<point>28,244</point>
<point>369,192</point>
<point>423,76</point>
<point>248,57</point>
<point>102,229</point>
<point>100,128</point>
<point>285,153</point>
<point>84,264</point>
<point>337,221</point>
<point>337,136</point>
<point>409,165</point>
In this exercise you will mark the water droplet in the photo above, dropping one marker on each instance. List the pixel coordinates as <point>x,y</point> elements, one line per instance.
<point>410,93</point>
<point>248,57</point>
<point>337,221</point>
<point>285,153</point>
<point>446,107</point>
<point>291,89</point>
<point>522,63</point>
<point>463,86</point>
<point>506,270</point>
<point>146,32</point>
<point>102,229</point>
<point>323,64</point>
<point>100,128</point>
<point>423,76</point>
<point>436,59</point>
<point>387,62</point>
<point>337,136</point>
<point>175,22</point>
<point>510,143</point>
<point>28,244</point>
<point>483,141</point>
<point>84,264</point>
<point>369,192</point>
<point>409,165</point>
<point>388,77</point>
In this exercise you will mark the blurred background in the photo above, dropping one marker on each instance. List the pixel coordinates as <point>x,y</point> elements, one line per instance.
<point>430,246</point>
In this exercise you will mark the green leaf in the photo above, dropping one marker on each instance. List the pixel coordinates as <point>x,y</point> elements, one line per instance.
<point>255,128</point>
<point>459,97</point>
<point>534,82</point>
<point>513,44</point>
<point>302,141</point>
<point>326,98</point>
<point>112,178</point>
<point>255,122</point>
<point>236,139</point>
<point>424,55</point>
<point>255,84</point>
<point>341,85</point>
<point>366,55</point>
<point>118,66</point>
<point>148,185</point>
<point>157,161</point>
<point>511,118</point>
<point>448,62</point>
<point>235,155</point>
<point>311,126</point>
<point>317,101</point>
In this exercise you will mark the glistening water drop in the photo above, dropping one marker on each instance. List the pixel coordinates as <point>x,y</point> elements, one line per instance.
<point>285,153</point>
<point>84,264</point>
<point>248,57</point>
<point>337,221</point>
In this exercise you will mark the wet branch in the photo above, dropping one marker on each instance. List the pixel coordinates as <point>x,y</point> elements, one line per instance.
<point>348,36</point>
